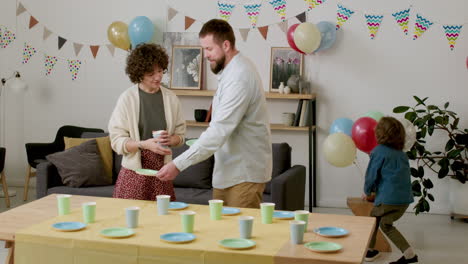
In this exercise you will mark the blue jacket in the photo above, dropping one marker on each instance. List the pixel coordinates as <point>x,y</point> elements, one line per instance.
<point>388,175</point>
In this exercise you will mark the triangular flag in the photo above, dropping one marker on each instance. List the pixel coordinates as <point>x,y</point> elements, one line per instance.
<point>284,26</point>
<point>225,10</point>
<point>280,7</point>
<point>263,31</point>
<point>253,11</point>
<point>77,47</point>
<point>373,24</point>
<point>32,22</point>
<point>61,42</point>
<point>188,22</point>
<point>94,50</point>
<point>402,18</point>
<point>111,49</point>
<point>314,3</point>
<point>421,26</point>
<point>20,9</point>
<point>244,33</point>
<point>452,32</point>
<point>302,17</point>
<point>49,63</point>
<point>46,33</point>
<point>342,15</point>
<point>28,52</point>
<point>7,38</point>
<point>74,68</point>
<point>171,13</point>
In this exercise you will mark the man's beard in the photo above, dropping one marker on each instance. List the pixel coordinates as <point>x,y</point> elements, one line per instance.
<point>218,65</point>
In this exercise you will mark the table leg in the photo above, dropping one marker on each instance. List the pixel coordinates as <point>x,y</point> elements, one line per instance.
<point>11,252</point>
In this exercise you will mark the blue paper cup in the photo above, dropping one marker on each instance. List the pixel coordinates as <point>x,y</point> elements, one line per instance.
<point>297,231</point>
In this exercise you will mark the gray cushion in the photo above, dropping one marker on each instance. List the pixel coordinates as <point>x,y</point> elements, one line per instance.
<point>100,191</point>
<point>194,196</point>
<point>80,166</point>
<point>196,176</point>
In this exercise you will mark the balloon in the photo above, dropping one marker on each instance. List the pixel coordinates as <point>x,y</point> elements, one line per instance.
<point>339,150</point>
<point>341,125</point>
<point>140,30</point>
<point>410,134</point>
<point>328,34</point>
<point>118,36</point>
<point>376,115</point>
<point>307,37</point>
<point>363,134</point>
<point>290,37</point>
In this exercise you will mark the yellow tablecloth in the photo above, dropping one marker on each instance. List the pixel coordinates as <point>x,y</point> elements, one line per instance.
<point>40,243</point>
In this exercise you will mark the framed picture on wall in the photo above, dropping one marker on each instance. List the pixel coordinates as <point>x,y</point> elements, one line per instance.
<point>186,67</point>
<point>284,63</point>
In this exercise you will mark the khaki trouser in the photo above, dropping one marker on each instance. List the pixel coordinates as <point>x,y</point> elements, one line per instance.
<point>246,194</point>
<point>386,215</point>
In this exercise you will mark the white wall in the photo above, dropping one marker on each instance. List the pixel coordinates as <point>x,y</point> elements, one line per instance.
<point>355,76</point>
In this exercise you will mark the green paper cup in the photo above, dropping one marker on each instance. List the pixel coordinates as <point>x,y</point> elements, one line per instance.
<point>302,215</point>
<point>89,212</point>
<point>216,208</point>
<point>63,203</point>
<point>266,210</point>
<point>188,221</point>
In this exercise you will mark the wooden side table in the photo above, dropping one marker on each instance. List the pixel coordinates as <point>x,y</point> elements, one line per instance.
<point>360,207</point>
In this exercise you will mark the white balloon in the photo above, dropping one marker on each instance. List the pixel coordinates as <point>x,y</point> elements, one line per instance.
<point>410,132</point>
<point>339,149</point>
<point>307,37</point>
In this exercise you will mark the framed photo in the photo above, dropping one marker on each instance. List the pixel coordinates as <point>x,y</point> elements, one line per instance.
<point>284,63</point>
<point>186,67</point>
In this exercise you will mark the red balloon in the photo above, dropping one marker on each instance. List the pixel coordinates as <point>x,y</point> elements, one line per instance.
<point>363,134</point>
<point>290,36</point>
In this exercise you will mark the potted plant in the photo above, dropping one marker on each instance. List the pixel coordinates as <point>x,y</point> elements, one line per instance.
<point>450,162</point>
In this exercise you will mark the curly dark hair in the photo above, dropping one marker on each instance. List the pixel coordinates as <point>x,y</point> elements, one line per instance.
<point>143,59</point>
<point>221,31</point>
<point>390,132</point>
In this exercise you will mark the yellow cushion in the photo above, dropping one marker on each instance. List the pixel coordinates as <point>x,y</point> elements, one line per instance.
<point>104,148</point>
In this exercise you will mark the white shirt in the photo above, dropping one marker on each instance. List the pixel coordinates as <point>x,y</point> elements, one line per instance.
<point>239,132</point>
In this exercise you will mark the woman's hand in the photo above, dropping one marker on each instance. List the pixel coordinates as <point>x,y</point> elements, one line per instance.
<point>164,138</point>
<point>153,144</point>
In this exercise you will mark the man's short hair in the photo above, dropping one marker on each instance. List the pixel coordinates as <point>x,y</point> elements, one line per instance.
<point>221,31</point>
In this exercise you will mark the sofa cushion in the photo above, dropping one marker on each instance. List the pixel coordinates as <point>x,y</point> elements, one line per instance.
<point>100,191</point>
<point>193,195</point>
<point>80,166</point>
<point>281,161</point>
<point>196,176</point>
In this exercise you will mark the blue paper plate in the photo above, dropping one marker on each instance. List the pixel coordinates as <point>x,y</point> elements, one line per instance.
<point>230,211</point>
<point>283,215</point>
<point>177,205</point>
<point>69,226</point>
<point>331,231</point>
<point>177,237</point>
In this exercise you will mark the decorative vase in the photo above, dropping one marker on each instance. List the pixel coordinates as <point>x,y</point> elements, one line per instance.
<point>200,115</point>
<point>287,90</point>
<point>281,88</point>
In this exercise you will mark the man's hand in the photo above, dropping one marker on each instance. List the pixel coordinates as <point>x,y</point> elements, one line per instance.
<point>168,172</point>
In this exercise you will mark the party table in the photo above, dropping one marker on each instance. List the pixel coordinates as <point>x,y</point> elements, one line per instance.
<point>40,243</point>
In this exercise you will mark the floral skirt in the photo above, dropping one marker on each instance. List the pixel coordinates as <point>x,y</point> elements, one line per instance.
<point>131,185</point>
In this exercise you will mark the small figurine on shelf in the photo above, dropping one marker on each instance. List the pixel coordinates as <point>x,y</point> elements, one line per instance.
<point>281,88</point>
<point>287,90</point>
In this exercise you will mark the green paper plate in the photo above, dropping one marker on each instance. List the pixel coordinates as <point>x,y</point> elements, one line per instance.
<point>237,243</point>
<point>146,172</point>
<point>191,142</point>
<point>323,247</point>
<point>117,232</point>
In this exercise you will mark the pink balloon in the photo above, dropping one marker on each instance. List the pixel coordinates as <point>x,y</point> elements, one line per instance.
<point>290,37</point>
<point>363,134</point>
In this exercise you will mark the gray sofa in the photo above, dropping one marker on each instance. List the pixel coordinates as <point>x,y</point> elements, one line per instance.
<point>286,189</point>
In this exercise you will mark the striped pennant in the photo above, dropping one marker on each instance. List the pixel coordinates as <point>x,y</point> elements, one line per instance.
<point>452,32</point>
<point>422,25</point>
<point>342,15</point>
<point>402,18</point>
<point>225,10</point>
<point>253,11</point>
<point>314,3</point>
<point>373,24</point>
<point>280,8</point>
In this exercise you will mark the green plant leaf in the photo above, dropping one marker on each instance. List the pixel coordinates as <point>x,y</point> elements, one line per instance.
<point>414,173</point>
<point>439,120</point>
<point>462,139</point>
<point>411,116</point>
<point>430,196</point>
<point>460,177</point>
<point>427,183</point>
<point>430,126</point>
<point>421,111</point>
<point>443,172</point>
<point>421,171</point>
<point>426,205</point>
<point>446,105</point>
<point>457,165</point>
<point>418,100</point>
<point>411,154</point>
<point>400,109</point>
<point>432,107</point>
<point>416,187</point>
<point>454,153</point>
<point>450,144</point>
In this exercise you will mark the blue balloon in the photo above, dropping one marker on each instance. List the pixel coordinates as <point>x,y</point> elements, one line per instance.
<point>342,125</point>
<point>140,30</point>
<point>328,31</point>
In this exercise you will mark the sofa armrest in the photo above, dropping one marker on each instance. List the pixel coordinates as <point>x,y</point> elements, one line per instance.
<point>47,177</point>
<point>35,151</point>
<point>288,189</point>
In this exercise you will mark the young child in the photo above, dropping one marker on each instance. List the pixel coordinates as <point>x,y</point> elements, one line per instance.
<point>388,175</point>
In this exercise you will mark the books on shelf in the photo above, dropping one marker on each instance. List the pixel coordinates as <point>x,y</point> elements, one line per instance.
<point>298,112</point>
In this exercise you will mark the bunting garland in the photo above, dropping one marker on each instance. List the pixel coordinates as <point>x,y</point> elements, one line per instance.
<point>244,33</point>
<point>49,63</point>
<point>452,32</point>
<point>280,8</point>
<point>28,52</point>
<point>422,25</point>
<point>253,11</point>
<point>6,37</point>
<point>402,18</point>
<point>225,10</point>
<point>74,67</point>
<point>302,17</point>
<point>373,24</point>
<point>171,13</point>
<point>342,15</point>
<point>314,3</point>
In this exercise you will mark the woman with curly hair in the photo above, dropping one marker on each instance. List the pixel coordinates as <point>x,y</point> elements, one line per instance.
<point>143,108</point>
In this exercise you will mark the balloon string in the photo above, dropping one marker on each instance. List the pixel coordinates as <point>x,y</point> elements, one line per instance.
<point>359,167</point>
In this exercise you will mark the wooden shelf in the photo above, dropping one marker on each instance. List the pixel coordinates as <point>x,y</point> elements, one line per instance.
<point>192,123</point>
<point>268,95</point>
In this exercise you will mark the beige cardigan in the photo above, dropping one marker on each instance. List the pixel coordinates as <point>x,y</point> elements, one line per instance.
<point>123,124</point>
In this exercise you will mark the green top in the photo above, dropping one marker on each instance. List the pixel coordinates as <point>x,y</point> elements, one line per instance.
<point>152,116</point>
